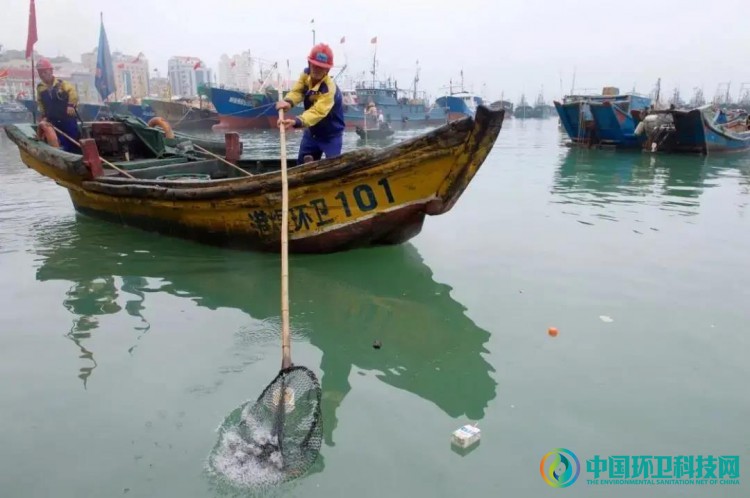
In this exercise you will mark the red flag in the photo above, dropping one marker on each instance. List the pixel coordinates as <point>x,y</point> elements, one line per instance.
<point>343,39</point>
<point>121,65</point>
<point>197,65</point>
<point>374,39</point>
<point>32,38</point>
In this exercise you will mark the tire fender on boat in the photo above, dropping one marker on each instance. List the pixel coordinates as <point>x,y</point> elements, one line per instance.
<point>158,122</point>
<point>46,132</point>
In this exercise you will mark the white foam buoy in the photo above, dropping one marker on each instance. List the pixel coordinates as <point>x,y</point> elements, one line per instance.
<point>466,436</point>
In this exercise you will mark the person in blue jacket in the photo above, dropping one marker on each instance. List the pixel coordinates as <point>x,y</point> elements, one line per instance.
<point>323,118</point>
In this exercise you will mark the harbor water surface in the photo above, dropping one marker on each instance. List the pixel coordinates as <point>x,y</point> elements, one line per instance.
<point>122,351</point>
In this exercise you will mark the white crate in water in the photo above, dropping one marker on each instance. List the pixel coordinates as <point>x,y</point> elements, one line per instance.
<point>466,436</point>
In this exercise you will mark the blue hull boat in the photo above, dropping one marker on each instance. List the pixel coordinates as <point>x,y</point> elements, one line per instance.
<point>459,105</point>
<point>608,120</point>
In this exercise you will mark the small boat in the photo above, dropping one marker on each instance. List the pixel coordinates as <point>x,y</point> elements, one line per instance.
<point>364,197</point>
<point>374,133</point>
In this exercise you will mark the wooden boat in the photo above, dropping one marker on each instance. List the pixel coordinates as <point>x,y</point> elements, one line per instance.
<point>364,197</point>
<point>374,133</point>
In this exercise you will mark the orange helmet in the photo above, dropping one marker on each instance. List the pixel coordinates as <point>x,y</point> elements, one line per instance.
<point>43,64</point>
<point>321,55</point>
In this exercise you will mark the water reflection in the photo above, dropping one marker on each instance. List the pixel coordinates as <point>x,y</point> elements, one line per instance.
<point>340,302</point>
<point>87,300</point>
<point>672,182</point>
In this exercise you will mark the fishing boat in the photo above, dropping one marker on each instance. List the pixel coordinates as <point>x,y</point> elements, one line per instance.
<point>603,119</point>
<point>523,109</point>
<point>458,105</point>
<point>239,110</point>
<point>703,130</point>
<point>672,130</point>
<point>182,115</point>
<point>541,109</point>
<point>503,104</point>
<point>360,198</point>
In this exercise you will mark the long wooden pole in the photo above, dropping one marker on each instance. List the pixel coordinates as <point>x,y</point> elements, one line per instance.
<point>215,156</point>
<point>286,346</point>
<point>58,130</point>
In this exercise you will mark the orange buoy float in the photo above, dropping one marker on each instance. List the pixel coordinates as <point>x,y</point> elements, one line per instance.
<point>157,122</point>
<point>552,331</point>
<point>46,132</point>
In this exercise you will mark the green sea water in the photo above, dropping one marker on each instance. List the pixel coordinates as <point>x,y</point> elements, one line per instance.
<point>122,351</point>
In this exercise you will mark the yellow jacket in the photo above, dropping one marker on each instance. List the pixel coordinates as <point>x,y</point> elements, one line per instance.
<point>324,111</point>
<point>52,100</point>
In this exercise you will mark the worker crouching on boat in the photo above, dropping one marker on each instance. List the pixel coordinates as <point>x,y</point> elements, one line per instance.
<point>323,118</point>
<point>56,100</point>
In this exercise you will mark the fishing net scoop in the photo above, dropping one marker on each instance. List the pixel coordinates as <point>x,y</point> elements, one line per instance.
<point>279,436</point>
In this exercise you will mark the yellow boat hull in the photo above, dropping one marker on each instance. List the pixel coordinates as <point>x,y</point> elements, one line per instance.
<point>357,199</point>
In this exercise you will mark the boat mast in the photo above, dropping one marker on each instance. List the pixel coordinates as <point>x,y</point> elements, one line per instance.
<point>374,64</point>
<point>416,80</point>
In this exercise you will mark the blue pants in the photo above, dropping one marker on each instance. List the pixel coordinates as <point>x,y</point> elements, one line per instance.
<point>70,127</point>
<point>316,147</point>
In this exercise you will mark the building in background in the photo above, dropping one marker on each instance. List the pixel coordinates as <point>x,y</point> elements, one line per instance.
<point>131,74</point>
<point>237,72</point>
<point>185,74</point>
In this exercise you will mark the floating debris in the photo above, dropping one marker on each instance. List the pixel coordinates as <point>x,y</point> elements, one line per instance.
<point>467,436</point>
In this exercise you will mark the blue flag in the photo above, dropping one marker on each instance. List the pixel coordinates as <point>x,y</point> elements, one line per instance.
<point>105,73</point>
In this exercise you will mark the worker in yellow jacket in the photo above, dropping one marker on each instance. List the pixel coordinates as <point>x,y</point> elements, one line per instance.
<point>56,101</point>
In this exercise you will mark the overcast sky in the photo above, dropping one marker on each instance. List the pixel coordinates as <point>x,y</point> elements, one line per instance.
<point>510,47</point>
